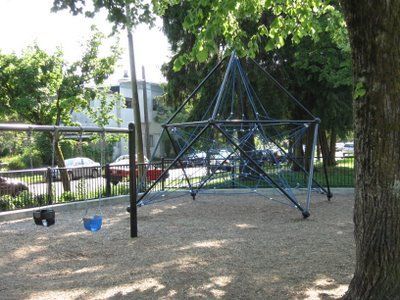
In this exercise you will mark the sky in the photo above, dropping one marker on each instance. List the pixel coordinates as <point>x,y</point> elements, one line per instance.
<point>23,22</point>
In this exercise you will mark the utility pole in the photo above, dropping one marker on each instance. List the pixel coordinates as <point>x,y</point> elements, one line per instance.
<point>135,98</point>
<point>146,115</point>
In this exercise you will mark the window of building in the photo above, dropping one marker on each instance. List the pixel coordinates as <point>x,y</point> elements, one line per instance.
<point>155,106</point>
<point>151,140</point>
<point>128,102</point>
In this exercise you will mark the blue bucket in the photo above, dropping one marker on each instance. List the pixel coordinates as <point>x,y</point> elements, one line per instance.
<point>93,224</point>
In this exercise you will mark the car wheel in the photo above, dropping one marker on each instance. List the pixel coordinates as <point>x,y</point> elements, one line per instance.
<point>95,173</point>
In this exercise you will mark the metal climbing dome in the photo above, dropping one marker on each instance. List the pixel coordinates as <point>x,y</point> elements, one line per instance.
<point>224,137</point>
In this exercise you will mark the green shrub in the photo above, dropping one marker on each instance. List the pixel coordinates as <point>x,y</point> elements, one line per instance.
<point>32,154</point>
<point>24,200</point>
<point>15,162</point>
<point>67,197</point>
<point>6,203</point>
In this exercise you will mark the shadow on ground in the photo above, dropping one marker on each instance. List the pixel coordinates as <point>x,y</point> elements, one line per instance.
<point>214,247</point>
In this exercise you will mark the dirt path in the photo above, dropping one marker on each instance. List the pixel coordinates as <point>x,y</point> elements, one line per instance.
<point>215,247</point>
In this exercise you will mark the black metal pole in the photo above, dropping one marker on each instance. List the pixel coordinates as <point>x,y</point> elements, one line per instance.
<point>186,124</point>
<point>107,174</point>
<point>293,159</point>
<point>212,173</point>
<point>305,213</point>
<point>272,122</point>
<point>180,162</point>
<point>132,180</point>
<point>53,128</point>
<point>173,162</point>
<point>283,89</point>
<point>162,171</point>
<point>195,91</point>
<point>49,185</point>
<point>222,87</point>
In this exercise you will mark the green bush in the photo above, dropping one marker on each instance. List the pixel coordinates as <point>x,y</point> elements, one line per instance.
<point>67,197</point>
<point>34,155</point>
<point>23,200</point>
<point>6,203</point>
<point>15,162</point>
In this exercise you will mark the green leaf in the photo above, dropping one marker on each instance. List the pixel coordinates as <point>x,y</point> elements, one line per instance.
<point>202,55</point>
<point>359,90</point>
<point>269,46</point>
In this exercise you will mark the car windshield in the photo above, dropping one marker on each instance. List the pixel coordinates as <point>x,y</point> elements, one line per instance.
<point>69,162</point>
<point>124,159</point>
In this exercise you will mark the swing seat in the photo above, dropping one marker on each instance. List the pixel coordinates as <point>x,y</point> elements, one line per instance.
<point>44,217</point>
<point>93,224</point>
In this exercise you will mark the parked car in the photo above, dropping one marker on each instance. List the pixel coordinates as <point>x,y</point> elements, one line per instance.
<point>348,149</point>
<point>79,167</point>
<point>119,169</point>
<point>221,160</point>
<point>11,187</point>
<point>339,146</point>
<point>195,159</point>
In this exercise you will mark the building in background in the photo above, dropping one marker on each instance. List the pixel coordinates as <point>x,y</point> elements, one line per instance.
<point>124,112</point>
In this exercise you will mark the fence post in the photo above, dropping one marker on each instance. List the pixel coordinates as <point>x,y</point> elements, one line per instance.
<point>233,175</point>
<point>162,172</point>
<point>49,177</point>
<point>108,180</point>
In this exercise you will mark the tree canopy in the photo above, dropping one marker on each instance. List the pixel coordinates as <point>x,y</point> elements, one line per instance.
<point>317,70</point>
<point>43,88</point>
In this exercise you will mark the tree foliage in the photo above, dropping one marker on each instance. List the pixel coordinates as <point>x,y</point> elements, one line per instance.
<point>317,69</point>
<point>41,88</point>
<point>211,21</point>
<point>139,11</point>
<point>123,14</point>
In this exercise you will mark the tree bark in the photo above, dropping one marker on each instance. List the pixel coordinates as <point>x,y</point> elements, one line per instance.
<point>332,148</point>
<point>374,30</point>
<point>325,147</point>
<point>59,156</point>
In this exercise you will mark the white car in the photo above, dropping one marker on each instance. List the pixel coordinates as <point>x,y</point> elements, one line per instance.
<point>339,146</point>
<point>195,159</point>
<point>80,167</point>
<point>124,160</point>
<point>221,160</point>
<point>348,149</point>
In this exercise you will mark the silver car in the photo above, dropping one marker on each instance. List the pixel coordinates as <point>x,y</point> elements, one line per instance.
<point>348,149</point>
<point>80,167</point>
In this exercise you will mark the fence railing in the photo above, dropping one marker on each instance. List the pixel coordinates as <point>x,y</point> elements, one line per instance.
<point>38,187</point>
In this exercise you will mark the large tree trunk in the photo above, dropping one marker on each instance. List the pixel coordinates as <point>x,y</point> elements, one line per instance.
<point>374,29</point>
<point>332,148</point>
<point>326,149</point>
<point>59,156</point>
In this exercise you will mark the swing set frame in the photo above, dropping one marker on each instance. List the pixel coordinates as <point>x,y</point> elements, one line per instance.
<point>79,130</point>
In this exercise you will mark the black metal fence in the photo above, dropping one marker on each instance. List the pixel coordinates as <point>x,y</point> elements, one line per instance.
<point>38,187</point>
